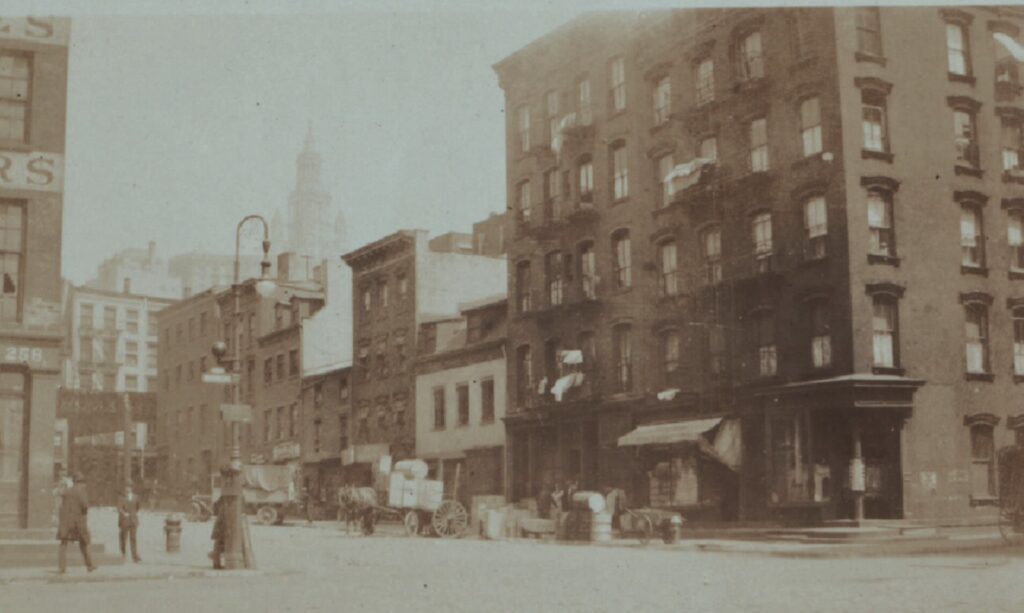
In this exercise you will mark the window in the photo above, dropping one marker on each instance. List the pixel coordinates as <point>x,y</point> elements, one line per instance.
<point>869,31</point>
<point>1012,141</point>
<point>622,260</point>
<point>552,364</point>
<point>670,361</point>
<point>873,120</point>
<point>972,240</point>
<point>965,138</point>
<point>983,465</point>
<point>883,241</point>
<point>462,397</point>
<point>151,354</point>
<point>711,252</point>
<point>15,74</point>
<point>402,284</point>
<point>552,190</point>
<point>191,370</point>
<point>662,100</point>
<point>12,232</point>
<point>976,331</point>
<point>523,291</point>
<point>268,370</point>
<point>705,81</point>
<point>279,362</point>
<point>282,422</point>
<point>1006,63</point>
<point>716,349</point>
<point>192,328</point>
<point>293,362</point>
<point>1018,341</point>
<point>1015,238</point>
<point>623,356</point>
<point>202,323</point>
<point>758,134</point>
<point>821,338</point>
<point>803,34</point>
<point>523,201</point>
<point>110,319</point>
<point>109,383</point>
<point>583,109</point>
<point>763,329</point>
<point>810,126</point>
<point>669,260</point>
<point>523,118</point>
<point>439,408</point>
<point>382,292</point>
<point>343,440</point>
<point>131,353</point>
<point>364,360</point>
<point>293,421</point>
<point>816,226</point>
<point>617,93</point>
<point>585,172</point>
<point>761,225</point>
<point>588,347</point>
<point>382,356</point>
<point>131,383</point>
<point>367,300</point>
<point>665,165</point>
<point>709,149</point>
<point>750,57</point>
<point>132,321</point>
<point>551,105</point>
<point>958,50</point>
<point>400,351</point>
<point>588,270</point>
<point>85,316</point>
<point>524,382</point>
<point>487,401</point>
<point>110,350</point>
<point>553,274</point>
<point>620,171</point>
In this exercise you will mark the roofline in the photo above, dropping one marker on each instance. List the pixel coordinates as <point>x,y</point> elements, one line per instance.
<point>84,289</point>
<point>353,256</point>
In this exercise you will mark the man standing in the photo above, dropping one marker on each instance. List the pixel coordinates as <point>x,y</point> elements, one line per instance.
<point>128,521</point>
<point>73,525</point>
<point>219,533</point>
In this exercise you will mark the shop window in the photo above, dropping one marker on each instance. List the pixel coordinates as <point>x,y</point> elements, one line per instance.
<point>711,254</point>
<point>757,132</point>
<point>704,78</point>
<point>810,126</point>
<point>869,31</point>
<point>622,259</point>
<point>983,457</point>
<point>761,226</point>
<point>816,228</point>
<point>623,355</point>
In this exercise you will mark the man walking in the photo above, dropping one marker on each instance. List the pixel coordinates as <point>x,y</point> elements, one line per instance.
<point>128,521</point>
<point>72,525</point>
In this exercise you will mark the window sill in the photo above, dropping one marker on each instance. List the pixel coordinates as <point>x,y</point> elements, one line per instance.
<point>969,171</point>
<point>1018,378</point>
<point>881,156</point>
<point>889,260</point>
<point>981,271</point>
<point>984,501</point>
<point>1013,176</point>
<point>618,201</point>
<point>860,56</point>
<point>962,78</point>
<point>888,370</point>
<point>987,377</point>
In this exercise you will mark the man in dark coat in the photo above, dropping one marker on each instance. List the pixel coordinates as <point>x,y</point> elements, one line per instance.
<point>128,521</point>
<point>72,525</point>
<point>219,532</point>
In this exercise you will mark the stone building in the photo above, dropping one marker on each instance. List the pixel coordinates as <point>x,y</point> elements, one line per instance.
<point>800,226</point>
<point>33,99</point>
<point>137,271</point>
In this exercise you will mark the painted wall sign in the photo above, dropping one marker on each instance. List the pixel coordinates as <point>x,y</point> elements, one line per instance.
<point>38,171</point>
<point>34,357</point>
<point>45,30</point>
<point>285,451</point>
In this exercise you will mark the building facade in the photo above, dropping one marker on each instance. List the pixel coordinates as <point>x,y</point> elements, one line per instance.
<point>397,283</point>
<point>137,271</point>
<point>198,271</point>
<point>780,218</point>
<point>112,340</point>
<point>33,95</point>
<point>327,458</point>
<point>460,399</point>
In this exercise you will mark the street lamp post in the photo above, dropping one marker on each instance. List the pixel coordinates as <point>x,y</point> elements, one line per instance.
<point>235,555</point>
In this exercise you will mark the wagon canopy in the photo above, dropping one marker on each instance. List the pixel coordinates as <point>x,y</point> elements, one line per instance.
<point>724,448</point>
<point>268,477</point>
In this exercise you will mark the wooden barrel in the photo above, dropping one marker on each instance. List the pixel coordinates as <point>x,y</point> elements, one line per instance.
<point>601,527</point>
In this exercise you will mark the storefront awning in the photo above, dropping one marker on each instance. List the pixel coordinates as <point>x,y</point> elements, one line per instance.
<point>669,433</point>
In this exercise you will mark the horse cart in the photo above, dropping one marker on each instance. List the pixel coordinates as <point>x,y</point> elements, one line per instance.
<point>268,490</point>
<point>405,494</point>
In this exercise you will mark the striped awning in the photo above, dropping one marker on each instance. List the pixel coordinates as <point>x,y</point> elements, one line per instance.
<point>668,433</point>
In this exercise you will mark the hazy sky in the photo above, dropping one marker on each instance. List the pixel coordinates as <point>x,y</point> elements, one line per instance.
<point>180,125</point>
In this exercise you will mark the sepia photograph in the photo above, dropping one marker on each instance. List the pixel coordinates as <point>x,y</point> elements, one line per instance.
<point>548,306</point>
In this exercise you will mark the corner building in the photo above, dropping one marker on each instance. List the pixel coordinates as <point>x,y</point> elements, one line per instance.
<point>800,225</point>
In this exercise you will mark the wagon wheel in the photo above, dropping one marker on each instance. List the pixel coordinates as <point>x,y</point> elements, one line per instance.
<point>646,529</point>
<point>412,523</point>
<point>1011,524</point>
<point>267,515</point>
<point>450,519</point>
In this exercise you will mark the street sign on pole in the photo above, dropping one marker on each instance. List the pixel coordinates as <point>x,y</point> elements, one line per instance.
<point>236,412</point>
<point>219,376</point>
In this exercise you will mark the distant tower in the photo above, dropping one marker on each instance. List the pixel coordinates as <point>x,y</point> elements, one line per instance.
<point>309,228</point>
<point>339,244</point>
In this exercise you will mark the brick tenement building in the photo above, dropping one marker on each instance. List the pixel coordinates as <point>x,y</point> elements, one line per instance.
<point>397,283</point>
<point>33,96</point>
<point>327,457</point>
<point>806,220</point>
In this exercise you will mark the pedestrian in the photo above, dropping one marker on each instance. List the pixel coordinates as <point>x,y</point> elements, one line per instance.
<point>128,522</point>
<point>219,533</point>
<point>307,497</point>
<point>73,525</point>
<point>62,485</point>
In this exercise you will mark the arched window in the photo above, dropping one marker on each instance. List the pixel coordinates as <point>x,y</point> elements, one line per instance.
<point>816,227</point>
<point>669,268</point>
<point>620,170</point>
<point>622,259</point>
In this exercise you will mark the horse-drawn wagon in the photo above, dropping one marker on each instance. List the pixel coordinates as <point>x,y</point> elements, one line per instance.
<point>404,493</point>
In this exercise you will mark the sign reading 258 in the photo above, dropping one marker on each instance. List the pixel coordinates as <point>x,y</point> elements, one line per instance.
<point>34,356</point>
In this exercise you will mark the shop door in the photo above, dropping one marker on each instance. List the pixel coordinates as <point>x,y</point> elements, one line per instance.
<point>13,447</point>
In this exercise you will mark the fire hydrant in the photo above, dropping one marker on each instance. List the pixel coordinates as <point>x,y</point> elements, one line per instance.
<point>671,530</point>
<point>172,529</point>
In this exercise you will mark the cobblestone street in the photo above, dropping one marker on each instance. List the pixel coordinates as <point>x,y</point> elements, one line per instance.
<point>319,568</point>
